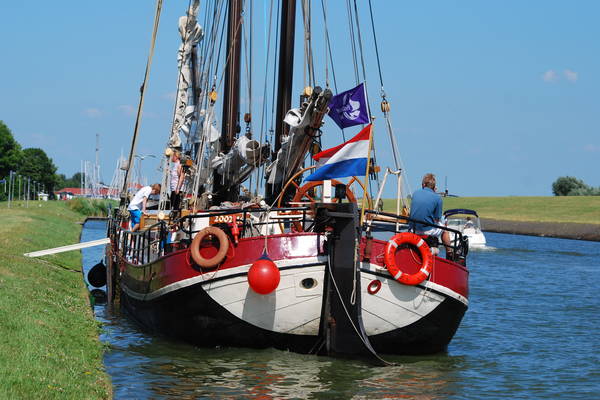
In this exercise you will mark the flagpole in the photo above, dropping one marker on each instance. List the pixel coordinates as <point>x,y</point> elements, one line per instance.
<point>364,199</point>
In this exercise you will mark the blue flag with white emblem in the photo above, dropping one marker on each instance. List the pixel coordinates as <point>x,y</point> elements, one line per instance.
<point>350,108</point>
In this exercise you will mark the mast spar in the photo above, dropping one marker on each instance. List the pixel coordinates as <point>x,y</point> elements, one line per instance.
<point>231,98</point>
<point>284,79</point>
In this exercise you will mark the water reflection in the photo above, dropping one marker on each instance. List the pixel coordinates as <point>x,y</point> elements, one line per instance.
<point>145,366</point>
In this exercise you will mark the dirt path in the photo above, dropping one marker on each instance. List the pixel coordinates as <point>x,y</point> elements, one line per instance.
<point>565,230</point>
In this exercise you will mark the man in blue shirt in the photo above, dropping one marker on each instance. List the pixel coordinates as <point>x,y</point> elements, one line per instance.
<point>426,205</point>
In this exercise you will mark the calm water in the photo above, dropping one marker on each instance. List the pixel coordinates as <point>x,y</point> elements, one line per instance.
<point>531,332</point>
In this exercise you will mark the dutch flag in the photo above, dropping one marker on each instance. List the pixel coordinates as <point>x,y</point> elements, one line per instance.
<point>345,160</point>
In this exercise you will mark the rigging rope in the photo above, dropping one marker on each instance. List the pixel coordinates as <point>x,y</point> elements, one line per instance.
<point>385,108</point>
<point>141,103</point>
<point>352,42</point>
<point>265,102</point>
<point>328,42</point>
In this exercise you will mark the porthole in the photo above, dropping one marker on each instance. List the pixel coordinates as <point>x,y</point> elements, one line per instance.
<point>308,283</point>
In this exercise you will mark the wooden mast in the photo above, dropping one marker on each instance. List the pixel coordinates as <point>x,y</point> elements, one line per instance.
<point>231,98</point>
<point>285,75</point>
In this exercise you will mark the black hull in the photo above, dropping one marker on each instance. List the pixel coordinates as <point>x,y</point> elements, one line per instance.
<point>191,315</point>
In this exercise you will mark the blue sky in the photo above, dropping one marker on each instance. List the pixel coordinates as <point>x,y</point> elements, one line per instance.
<point>499,97</point>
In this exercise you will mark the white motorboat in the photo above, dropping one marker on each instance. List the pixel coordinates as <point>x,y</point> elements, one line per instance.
<point>468,223</point>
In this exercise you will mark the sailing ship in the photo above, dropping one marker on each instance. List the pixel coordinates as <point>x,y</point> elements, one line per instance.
<point>259,254</point>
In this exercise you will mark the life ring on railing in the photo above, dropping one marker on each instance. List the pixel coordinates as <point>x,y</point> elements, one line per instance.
<point>390,258</point>
<point>217,258</point>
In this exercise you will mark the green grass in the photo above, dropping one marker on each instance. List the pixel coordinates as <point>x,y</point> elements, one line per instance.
<point>578,209</point>
<point>49,346</point>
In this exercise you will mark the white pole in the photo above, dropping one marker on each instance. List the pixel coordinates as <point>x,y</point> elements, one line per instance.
<point>327,191</point>
<point>9,187</point>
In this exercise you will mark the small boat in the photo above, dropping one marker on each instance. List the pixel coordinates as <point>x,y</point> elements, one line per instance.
<point>468,223</point>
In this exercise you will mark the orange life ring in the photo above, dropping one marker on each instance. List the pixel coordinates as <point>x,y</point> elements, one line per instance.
<point>390,258</point>
<point>217,258</point>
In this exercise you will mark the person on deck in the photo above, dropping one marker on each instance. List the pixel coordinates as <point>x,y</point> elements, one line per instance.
<point>426,205</point>
<point>137,206</point>
<point>175,179</point>
<point>469,224</point>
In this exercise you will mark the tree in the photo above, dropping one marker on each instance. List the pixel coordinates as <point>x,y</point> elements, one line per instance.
<point>72,182</point>
<point>39,167</point>
<point>10,152</point>
<point>587,191</point>
<point>568,186</point>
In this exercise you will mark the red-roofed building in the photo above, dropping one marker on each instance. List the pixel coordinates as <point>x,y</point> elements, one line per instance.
<point>69,193</point>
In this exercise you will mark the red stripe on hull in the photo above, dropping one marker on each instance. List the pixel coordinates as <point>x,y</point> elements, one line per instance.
<point>178,266</point>
<point>444,272</point>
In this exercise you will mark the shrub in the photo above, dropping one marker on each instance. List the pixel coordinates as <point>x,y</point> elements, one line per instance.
<point>92,207</point>
<point>564,185</point>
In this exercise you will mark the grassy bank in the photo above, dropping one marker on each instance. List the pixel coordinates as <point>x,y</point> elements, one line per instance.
<point>49,345</point>
<point>578,209</point>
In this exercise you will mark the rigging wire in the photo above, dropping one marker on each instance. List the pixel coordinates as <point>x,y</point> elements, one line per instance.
<point>355,36</point>
<point>328,43</point>
<point>308,54</point>
<point>265,102</point>
<point>352,42</point>
<point>385,105</point>
<point>362,58</point>
<point>328,51</point>
<point>141,103</point>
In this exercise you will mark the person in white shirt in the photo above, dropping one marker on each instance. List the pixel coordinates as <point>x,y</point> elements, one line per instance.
<point>176,176</point>
<point>137,206</point>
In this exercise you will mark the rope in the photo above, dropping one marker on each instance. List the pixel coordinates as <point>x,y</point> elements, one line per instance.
<point>352,41</point>
<point>141,104</point>
<point>376,47</point>
<point>264,105</point>
<point>360,336</point>
<point>308,57</point>
<point>328,42</point>
<point>362,59</point>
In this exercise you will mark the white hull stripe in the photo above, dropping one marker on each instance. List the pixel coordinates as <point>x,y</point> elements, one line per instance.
<point>297,262</point>
<point>218,275</point>
<point>376,269</point>
<point>420,243</point>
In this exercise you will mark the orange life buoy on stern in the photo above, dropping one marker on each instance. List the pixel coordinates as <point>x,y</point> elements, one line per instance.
<point>390,258</point>
<point>217,258</point>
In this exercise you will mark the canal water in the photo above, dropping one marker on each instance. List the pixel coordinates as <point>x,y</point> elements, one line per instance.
<point>531,332</point>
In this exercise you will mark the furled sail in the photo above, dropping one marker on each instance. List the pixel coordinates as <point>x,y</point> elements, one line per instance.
<point>304,124</point>
<point>191,33</point>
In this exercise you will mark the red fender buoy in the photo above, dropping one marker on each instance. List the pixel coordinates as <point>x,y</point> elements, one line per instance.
<point>263,275</point>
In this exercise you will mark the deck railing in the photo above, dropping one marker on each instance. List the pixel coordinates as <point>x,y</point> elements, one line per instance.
<point>147,245</point>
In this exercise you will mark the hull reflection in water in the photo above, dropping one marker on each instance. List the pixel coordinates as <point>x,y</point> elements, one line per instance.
<point>151,367</point>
